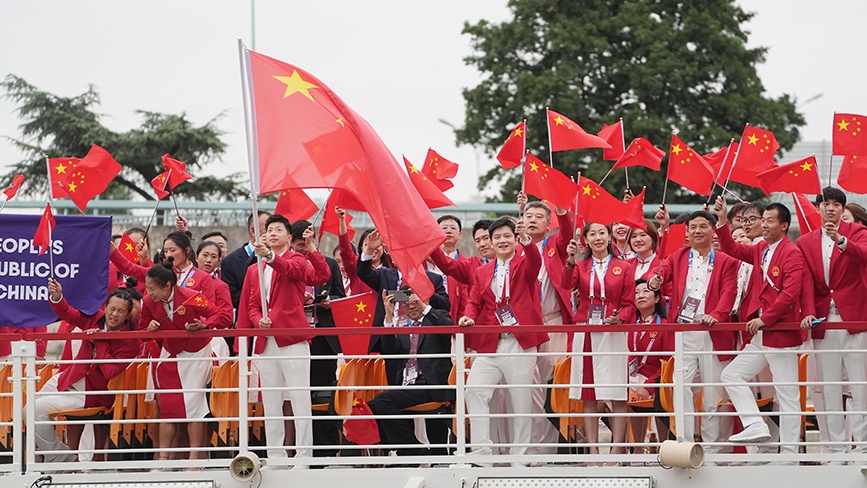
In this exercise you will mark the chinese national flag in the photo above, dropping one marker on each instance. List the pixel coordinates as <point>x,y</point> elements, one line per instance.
<point>360,431</point>
<point>433,197</point>
<point>797,177</point>
<point>566,134</point>
<point>198,301</point>
<point>13,188</point>
<point>330,221</point>
<point>853,174</point>
<point>513,149</point>
<point>546,182</point>
<point>295,205</point>
<point>848,139</point>
<point>90,176</point>
<point>307,135</point>
<point>159,184</point>
<point>439,170</point>
<point>808,215</point>
<point>688,169</point>
<point>674,239</point>
<point>354,311</point>
<point>598,206</point>
<point>127,248</point>
<point>640,152</point>
<point>613,135</point>
<point>177,171</point>
<point>756,150</point>
<point>42,238</point>
<point>60,168</point>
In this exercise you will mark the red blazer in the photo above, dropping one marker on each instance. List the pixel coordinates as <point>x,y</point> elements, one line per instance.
<point>223,300</point>
<point>780,304</point>
<point>720,297</point>
<point>639,342</point>
<point>554,259</point>
<point>524,299</point>
<point>619,288</point>
<point>458,291</point>
<point>213,317</point>
<point>199,280</point>
<point>463,269</point>
<point>846,276</point>
<point>652,271</point>
<point>292,273</point>
<point>96,375</point>
<point>350,265</point>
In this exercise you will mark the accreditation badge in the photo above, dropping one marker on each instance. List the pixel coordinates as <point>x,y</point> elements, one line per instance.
<point>596,314</point>
<point>506,316</point>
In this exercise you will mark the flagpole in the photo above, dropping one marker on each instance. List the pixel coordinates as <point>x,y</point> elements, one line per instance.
<point>48,173</point>
<point>609,172</point>
<point>719,173</point>
<point>665,187</point>
<point>550,145</point>
<point>577,199</point>
<point>4,205</point>
<point>175,201</point>
<point>252,159</point>
<point>320,212</point>
<point>151,221</point>
<point>50,240</point>
<point>735,161</point>
<point>801,208</point>
<point>831,157</point>
<point>625,170</point>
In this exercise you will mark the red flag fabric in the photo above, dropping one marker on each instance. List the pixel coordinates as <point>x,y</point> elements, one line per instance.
<point>613,135</point>
<point>177,171</point>
<point>675,238</point>
<point>798,177</point>
<point>90,176</point>
<point>306,134</point>
<point>757,149</point>
<point>295,205</point>
<point>439,170</point>
<point>566,134</point>
<point>199,301</point>
<point>640,152</point>
<point>361,431</point>
<point>13,188</point>
<point>546,182</point>
<point>512,152</point>
<point>159,184</point>
<point>60,168</point>
<point>808,215</point>
<point>848,139</point>
<point>433,197</point>
<point>128,249</point>
<point>354,311</point>
<point>598,206</point>
<point>853,174</point>
<point>42,238</point>
<point>688,169</point>
<point>330,221</point>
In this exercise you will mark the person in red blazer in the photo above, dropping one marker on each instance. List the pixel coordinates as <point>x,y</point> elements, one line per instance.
<point>463,268</point>
<point>605,295</point>
<point>833,289</point>
<point>699,283</point>
<point>84,376</point>
<point>349,258</point>
<point>777,279</point>
<point>457,291</point>
<point>645,243</point>
<point>286,276</point>
<point>504,292</point>
<point>209,255</point>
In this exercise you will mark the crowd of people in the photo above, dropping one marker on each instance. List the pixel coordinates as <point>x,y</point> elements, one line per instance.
<point>737,265</point>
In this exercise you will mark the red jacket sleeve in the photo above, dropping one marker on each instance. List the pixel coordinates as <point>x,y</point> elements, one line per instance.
<point>123,264</point>
<point>349,258</point>
<point>728,291</point>
<point>790,296</point>
<point>459,269</point>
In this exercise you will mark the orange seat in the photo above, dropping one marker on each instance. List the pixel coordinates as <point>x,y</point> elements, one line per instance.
<point>562,404</point>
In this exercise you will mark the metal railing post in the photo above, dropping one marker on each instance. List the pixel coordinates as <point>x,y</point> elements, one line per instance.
<point>460,384</point>
<point>23,356</point>
<point>243,394</point>
<point>679,391</point>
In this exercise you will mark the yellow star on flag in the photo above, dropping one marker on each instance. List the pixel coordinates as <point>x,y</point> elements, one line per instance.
<point>558,121</point>
<point>72,187</point>
<point>843,125</point>
<point>198,298</point>
<point>807,167</point>
<point>518,132</point>
<point>129,247</point>
<point>341,122</point>
<point>413,170</point>
<point>676,149</point>
<point>360,306</point>
<point>534,167</point>
<point>753,139</point>
<point>61,169</point>
<point>586,189</point>
<point>296,84</point>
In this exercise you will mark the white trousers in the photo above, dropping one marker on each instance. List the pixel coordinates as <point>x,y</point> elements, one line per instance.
<point>830,368</point>
<point>486,373</point>
<point>292,370</point>
<point>543,430</point>
<point>46,438</point>
<point>707,368</point>
<point>784,369</point>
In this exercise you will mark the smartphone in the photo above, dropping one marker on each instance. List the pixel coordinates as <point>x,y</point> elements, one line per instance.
<point>816,322</point>
<point>399,295</point>
<point>319,298</point>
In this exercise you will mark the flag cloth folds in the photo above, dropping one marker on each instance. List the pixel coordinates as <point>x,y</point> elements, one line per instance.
<point>546,182</point>
<point>796,177</point>
<point>89,177</point>
<point>177,171</point>
<point>304,133</point>
<point>688,169</point>
<point>128,249</point>
<point>853,174</point>
<point>159,183</point>
<point>295,205</point>
<point>640,152</point>
<point>808,215</point>
<point>330,220</point>
<point>673,239</point>
<point>598,206</point>
<point>566,134</point>
<point>60,168</point>
<point>198,301</point>
<point>433,197</point>
<point>756,150</point>
<point>42,238</point>
<point>360,431</point>
<point>354,311</point>
<point>13,188</point>
<point>439,170</point>
<point>512,152</point>
<point>613,135</point>
<point>847,136</point>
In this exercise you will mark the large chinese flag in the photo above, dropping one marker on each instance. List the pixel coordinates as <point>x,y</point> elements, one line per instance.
<point>673,239</point>
<point>513,149</point>
<point>613,135</point>
<point>808,216</point>
<point>546,182</point>
<point>688,169</point>
<point>433,197</point>
<point>853,174</point>
<point>89,177</point>
<point>798,177</point>
<point>354,311</point>
<point>566,134</point>
<point>598,206</point>
<point>439,170</point>
<point>848,138</point>
<point>756,151</point>
<point>59,169</point>
<point>294,204</point>
<point>640,152</point>
<point>307,136</point>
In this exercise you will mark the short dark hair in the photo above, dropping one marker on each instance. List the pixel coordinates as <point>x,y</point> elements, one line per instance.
<point>139,230</point>
<point>298,228</point>
<point>831,193</point>
<point>217,233</point>
<point>482,224</point>
<point>738,207</point>
<point>250,217</point>
<point>681,219</point>
<point>660,305</point>
<point>116,236</point>
<point>205,244</point>
<point>451,217</point>
<point>757,207</point>
<point>501,222</point>
<point>541,205</point>
<point>701,214</point>
<point>783,213</point>
<point>279,219</point>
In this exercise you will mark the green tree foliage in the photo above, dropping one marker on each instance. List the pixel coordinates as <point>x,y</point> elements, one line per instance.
<point>55,126</point>
<point>663,66</point>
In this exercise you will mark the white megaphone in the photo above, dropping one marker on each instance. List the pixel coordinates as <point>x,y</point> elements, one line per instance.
<point>245,466</point>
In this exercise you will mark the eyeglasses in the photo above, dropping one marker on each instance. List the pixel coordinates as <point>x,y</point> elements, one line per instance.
<point>750,220</point>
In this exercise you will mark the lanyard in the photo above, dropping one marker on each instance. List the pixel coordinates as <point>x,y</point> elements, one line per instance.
<point>183,281</point>
<point>765,271</point>
<point>601,278</point>
<point>249,249</point>
<point>506,291</point>
<point>542,252</point>
<point>636,339</point>
<point>709,268</point>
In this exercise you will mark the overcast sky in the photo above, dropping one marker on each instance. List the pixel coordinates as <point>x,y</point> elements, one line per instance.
<point>397,63</point>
